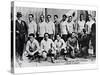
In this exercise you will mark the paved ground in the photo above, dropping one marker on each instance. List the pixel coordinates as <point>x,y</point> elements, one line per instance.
<point>60,61</point>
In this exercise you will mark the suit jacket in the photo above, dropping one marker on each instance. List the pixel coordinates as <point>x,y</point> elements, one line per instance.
<point>21,28</point>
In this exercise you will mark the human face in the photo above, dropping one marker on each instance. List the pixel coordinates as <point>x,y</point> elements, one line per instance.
<point>31,38</point>
<point>30,18</point>
<point>46,36</point>
<point>81,17</point>
<point>55,18</point>
<point>64,18</point>
<point>19,18</point>
<point>42,18</point>
<point>90,17</point>
<point>70,18</point>
<point>73,34</point>
<point>58,37</point>
<point>49,18</point>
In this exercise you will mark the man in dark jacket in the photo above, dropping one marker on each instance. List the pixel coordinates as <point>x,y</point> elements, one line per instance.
<point>93,38</point>
<point>84,44</point>
<point>21,31</point>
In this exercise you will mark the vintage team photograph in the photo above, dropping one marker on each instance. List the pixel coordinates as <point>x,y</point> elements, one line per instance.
<point>51,36</point>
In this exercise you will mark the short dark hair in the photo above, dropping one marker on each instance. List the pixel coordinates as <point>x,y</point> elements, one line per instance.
<point>70,16</point>
<point>81,15</point>
<point>56,16</point>
<point>64,15</point>
<point>42,15</point>
<point>31,34</point>
<point>58,34</point>
<point>74,32</point>
<point>49,15</point>
<point>90,15</point>
<point>31,15</point>
<point>45,34</point>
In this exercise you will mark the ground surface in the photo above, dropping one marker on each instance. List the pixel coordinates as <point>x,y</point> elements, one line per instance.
<point>26,62</point>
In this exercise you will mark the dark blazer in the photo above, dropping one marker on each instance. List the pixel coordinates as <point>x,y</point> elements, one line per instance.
<point>21,28</point>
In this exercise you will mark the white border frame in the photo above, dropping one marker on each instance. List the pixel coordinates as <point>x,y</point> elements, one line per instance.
<point>58,67</point>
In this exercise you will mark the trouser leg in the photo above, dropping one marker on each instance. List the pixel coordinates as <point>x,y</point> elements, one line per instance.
<point>17,47</point>
<point>22,41</point>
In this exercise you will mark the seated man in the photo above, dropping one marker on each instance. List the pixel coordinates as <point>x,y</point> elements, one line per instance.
<point>47,48</point>
<point>72,45</point>
<point>32,47</point>
<point>84,43</point>
<point>60,46</point>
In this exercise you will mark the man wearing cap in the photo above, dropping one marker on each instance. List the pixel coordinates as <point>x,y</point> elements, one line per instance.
<point>21,31</point>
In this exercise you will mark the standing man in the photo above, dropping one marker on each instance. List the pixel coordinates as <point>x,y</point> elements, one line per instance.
<point>47,48</point>
<point>81,23</point>
<point>93,38</point>
<point>89,24</point>
<point>91,31</point>
<point>21,32</point>
<point>50,27</point>
<point>63,28</point>
<point>57,25</point>
<point>41,28</point>
<point>70,25</point>
<point>32,26</point>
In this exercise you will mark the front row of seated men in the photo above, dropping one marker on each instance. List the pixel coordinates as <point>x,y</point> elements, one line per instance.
<point>51,49</point>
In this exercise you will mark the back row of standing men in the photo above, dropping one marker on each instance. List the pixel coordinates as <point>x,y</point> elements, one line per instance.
<point>64,27</point>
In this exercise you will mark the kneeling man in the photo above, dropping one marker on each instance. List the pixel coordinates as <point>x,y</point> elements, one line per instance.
<point>60,46</point>
<point>32,47</point>
<point>72,45</point>
<point>47,48</point>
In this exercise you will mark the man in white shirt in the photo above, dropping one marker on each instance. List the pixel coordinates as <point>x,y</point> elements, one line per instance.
<point>32,26</point>
<point>91,31</point>
<point>89,24</point>
<point>63,27</point>
<point>81,23</point>
<point>41,28</point>
<point>60,47</point>
<point>50,27</point>
<point>32,47</point>
<point>47,48</point>
<point>70,25</point>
